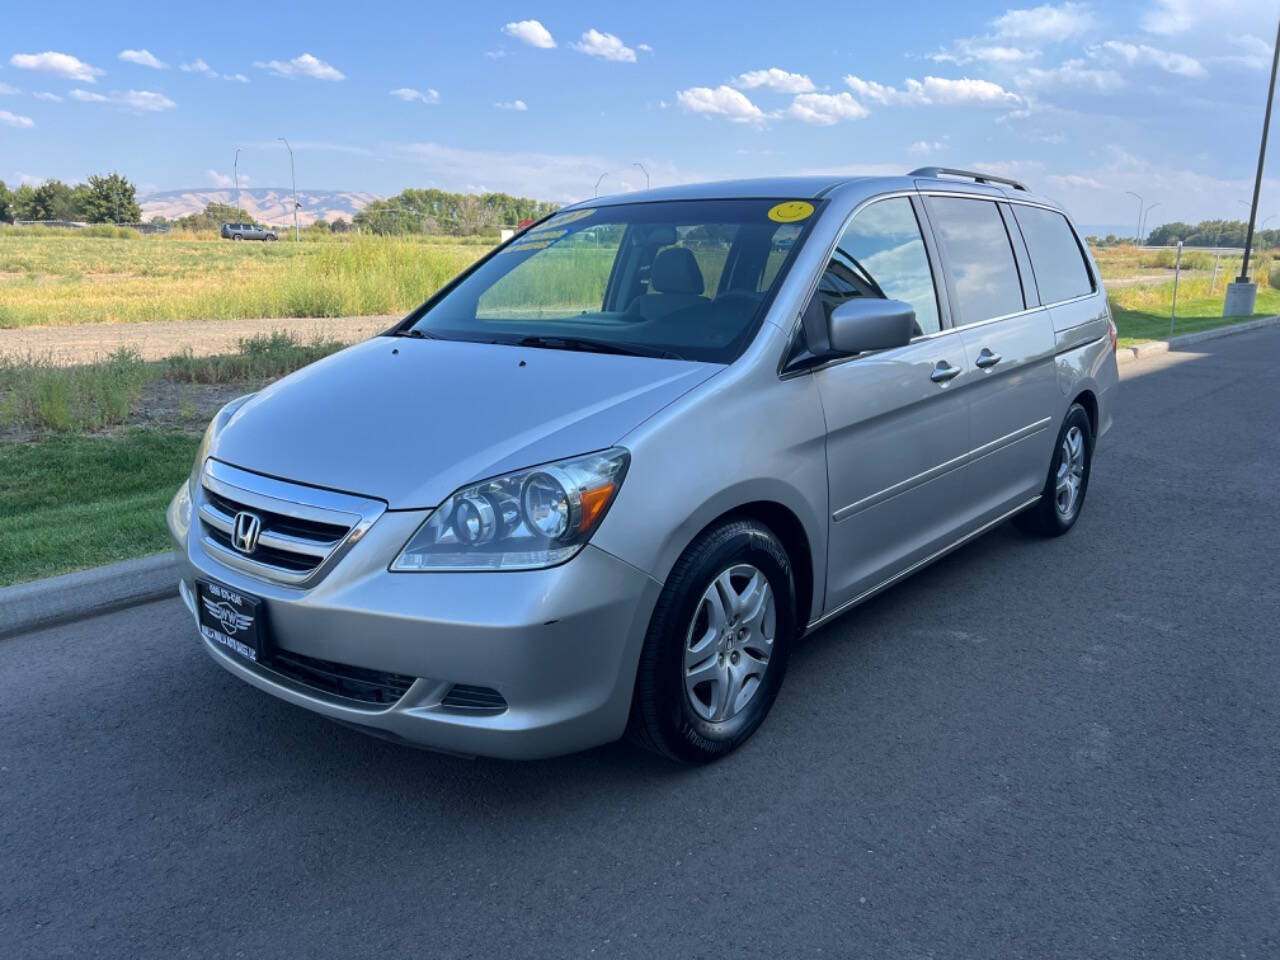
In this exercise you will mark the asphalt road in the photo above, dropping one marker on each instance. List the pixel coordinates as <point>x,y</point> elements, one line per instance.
<point>1032,749</point>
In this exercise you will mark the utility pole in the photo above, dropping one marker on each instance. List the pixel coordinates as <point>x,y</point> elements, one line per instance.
<point>1138,238</point>
<point>1242,296</point>
<point>596,191</point>
<point>637,163</point>
<point>235,173</point>
<point>294,180</point>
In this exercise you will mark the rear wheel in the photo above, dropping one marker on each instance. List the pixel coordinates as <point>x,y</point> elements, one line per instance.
<point>1062,498</point>
<point>237,236</point>
<point>716,650</point>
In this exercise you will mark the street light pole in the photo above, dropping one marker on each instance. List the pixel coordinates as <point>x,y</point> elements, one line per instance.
<point>1138,238</point>
<point>596,190</point>
<point>1262,156</point>
<point>637,163</point>
<point>235,174</point>
<point>1142,229</point>
<point>294,181</point>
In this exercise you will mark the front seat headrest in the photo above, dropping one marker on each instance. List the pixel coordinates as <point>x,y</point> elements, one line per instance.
<point>675,270</point>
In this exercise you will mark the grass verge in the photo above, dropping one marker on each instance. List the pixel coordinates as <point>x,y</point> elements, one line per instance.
<point>1142,313</point>
<point>76,501</point>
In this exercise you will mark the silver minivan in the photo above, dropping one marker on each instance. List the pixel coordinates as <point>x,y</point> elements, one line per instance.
<point>605,479</point>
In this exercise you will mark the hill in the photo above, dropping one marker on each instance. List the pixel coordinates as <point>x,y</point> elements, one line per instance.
<point>264,204</point>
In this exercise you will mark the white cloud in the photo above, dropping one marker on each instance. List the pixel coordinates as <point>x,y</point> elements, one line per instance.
<point>1046,23</point>
<point>410,95</point>
<point>934,91</point>
<point>139,101</point>
<point>825,109</point>
<point>30,179</point>
<point>8,119</point>
<point>45,95</point>
<point>723,101</point>
<point>1255,55</point>
<point>6,90</point>
<point>1072,74</point>
<point>237,77</point>
<point>517,105</point>
<point>644,48</point>
<point>305,65</point>
<point>775,78</point>
<point>531,32</point>
<point>143,58</point>
<point>1212,17</point>
<point>198,66</point>
<point>1140,54</point>
<point>606,46</point>
<point>60,64</point>
<point>224,180</point>
<point>969,49</point>
<point>923,148</point>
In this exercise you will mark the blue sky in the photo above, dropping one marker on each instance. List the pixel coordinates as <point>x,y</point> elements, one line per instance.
<point>1083,100</point>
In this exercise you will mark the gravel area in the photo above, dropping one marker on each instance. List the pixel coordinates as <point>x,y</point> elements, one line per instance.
<point>81,344</point>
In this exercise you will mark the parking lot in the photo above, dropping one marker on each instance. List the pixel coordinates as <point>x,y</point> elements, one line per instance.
<point>1031,749</point>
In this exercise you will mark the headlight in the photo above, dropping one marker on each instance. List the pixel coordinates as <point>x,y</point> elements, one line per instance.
<point>217,423</point>
<point>519,521</point>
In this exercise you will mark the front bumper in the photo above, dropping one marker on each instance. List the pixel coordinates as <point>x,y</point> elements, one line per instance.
<point>560,645</point>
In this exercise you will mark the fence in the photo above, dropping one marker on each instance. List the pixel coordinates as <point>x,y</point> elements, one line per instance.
<point>81,224</point>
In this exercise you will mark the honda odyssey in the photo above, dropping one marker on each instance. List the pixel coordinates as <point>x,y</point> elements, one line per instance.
<point>602,481</point>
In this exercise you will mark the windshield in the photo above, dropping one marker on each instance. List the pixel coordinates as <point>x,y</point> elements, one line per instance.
<point>687,279</point>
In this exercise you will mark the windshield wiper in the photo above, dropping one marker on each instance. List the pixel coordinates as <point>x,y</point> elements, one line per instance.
<point>588,345</point>
<point>418,334</point>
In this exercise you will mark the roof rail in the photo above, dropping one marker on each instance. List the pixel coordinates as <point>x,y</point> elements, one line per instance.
<point>937,172</point>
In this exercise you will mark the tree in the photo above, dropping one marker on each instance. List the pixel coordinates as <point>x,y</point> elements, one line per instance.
<point>110,199</point>
<point>52,200</point>
<point>6,203</point>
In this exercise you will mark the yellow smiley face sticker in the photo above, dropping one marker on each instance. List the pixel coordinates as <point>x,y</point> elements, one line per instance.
<point>792,211</point>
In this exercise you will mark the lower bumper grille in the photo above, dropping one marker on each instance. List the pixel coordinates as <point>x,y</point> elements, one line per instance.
<point>463,696</point>
<point>340,679</point>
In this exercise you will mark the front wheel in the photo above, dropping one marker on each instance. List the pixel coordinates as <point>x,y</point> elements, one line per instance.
<point>717,646</point>
<point>1062,498</point>
<point>269,239</point>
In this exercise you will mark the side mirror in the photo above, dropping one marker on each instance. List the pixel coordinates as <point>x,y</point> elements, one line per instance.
<point>869,323</point>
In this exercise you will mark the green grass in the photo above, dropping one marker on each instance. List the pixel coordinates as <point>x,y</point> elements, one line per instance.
<point>262,357</point>
<point>36,393</point>
<point>58,278</point>
<point>1142,313</point>
<point>75,501</point>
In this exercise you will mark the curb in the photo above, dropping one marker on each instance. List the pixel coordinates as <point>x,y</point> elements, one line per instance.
<point>74,596</point>
<point>1144,351</point>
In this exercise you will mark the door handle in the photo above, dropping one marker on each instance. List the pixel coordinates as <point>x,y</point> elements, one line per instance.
<point>943,371</point>
<point>987,359</point>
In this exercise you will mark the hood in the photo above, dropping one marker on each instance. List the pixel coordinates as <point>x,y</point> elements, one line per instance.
<point>410,421</point>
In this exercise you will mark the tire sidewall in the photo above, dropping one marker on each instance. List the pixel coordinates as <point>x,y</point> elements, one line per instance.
<point>1076,417</point>
<point>681,726</point>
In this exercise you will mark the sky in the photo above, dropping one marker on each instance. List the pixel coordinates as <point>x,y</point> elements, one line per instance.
<point>1084,101</point>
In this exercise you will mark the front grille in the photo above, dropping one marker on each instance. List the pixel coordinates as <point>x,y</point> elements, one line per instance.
<point>463,696</point>
<point>301,529</point>
<point>340,679</point>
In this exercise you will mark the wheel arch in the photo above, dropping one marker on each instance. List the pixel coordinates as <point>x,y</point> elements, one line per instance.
<point>1089,400</point>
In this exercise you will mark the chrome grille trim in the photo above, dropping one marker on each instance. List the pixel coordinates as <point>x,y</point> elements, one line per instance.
<point>300,559</point>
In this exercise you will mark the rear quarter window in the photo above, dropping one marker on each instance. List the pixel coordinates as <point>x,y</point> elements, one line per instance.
<point>1056,258</point>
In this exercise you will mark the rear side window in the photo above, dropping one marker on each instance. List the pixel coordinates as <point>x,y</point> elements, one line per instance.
<point>976,248</point>
<point>1056,257</point>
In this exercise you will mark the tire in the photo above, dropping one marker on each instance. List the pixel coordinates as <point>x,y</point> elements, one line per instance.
<point>1049,518</point>
<point>269,238</point>
<point>236,236</point>
<point>674,714</point>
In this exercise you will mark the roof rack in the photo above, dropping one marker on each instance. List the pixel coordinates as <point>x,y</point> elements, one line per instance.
<point>937,172</point>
